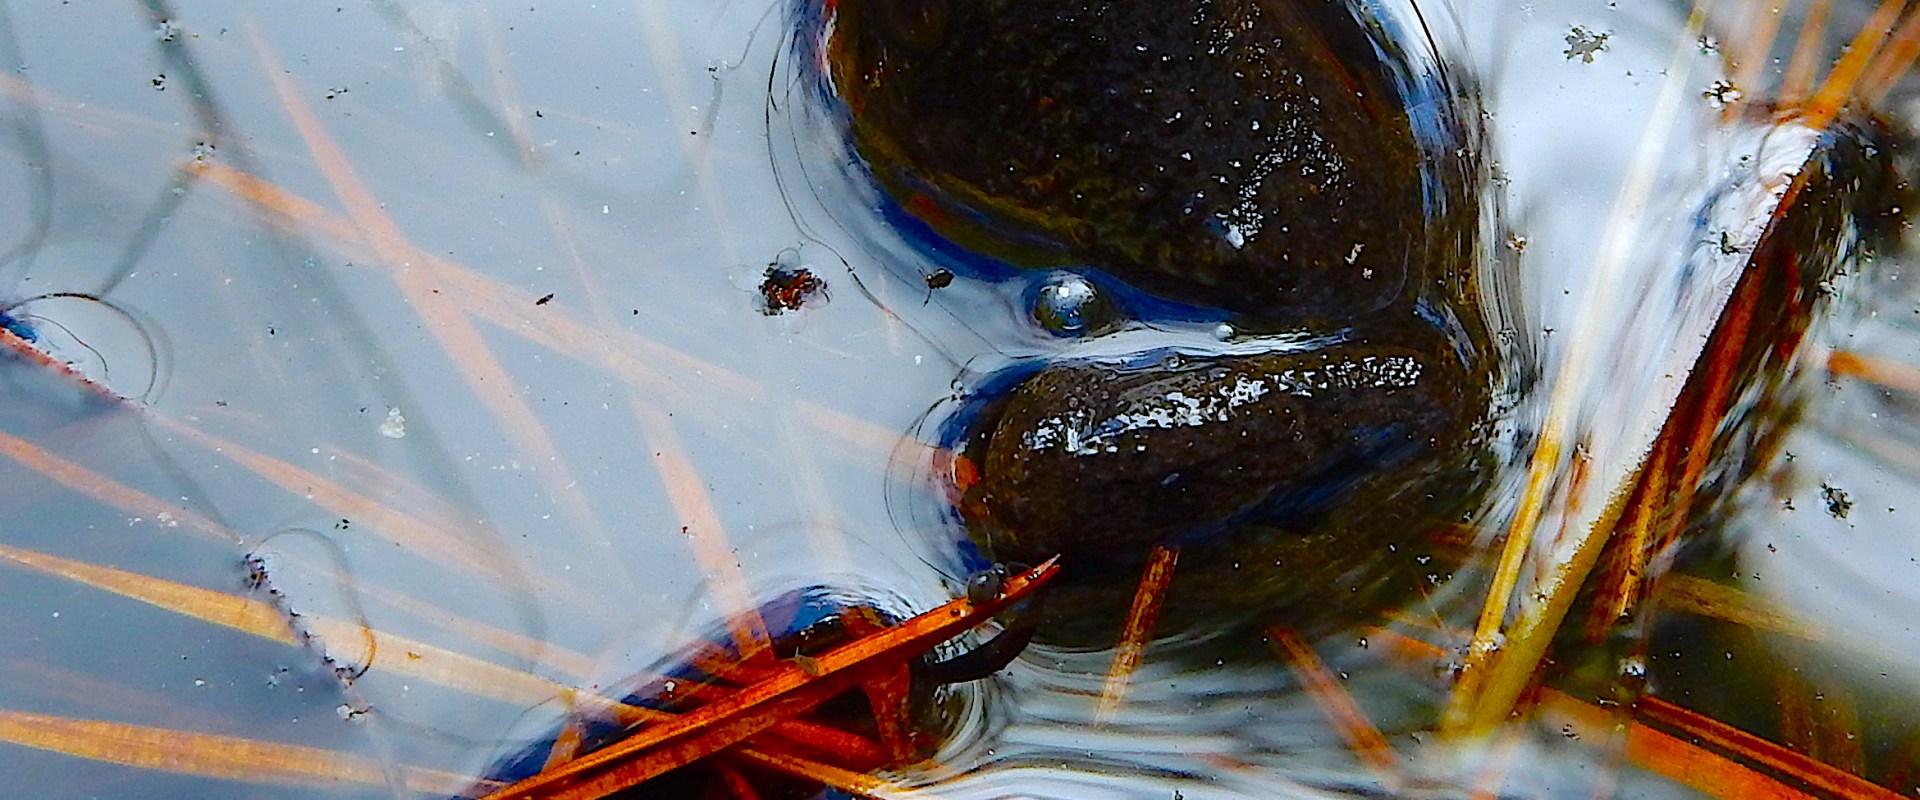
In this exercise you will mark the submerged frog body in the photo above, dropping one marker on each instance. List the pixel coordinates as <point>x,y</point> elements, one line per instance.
<point>1243,155</point>
<point>1280,477</point>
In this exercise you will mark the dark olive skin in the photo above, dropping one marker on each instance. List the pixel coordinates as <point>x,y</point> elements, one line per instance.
<point>1251,156</point>
<point>1248,155</point>
<point>1280,477</point>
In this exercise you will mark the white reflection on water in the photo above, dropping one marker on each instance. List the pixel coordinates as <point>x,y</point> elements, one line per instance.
<point>619,159</point>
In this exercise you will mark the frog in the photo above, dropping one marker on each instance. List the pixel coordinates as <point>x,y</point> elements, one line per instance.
<point>1275,165</point>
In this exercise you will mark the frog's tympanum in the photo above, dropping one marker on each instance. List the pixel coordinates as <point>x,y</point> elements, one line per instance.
<point>1274,162</point>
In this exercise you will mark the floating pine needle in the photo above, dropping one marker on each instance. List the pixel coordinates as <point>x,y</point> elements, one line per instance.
<point>1725,748</point>
<point>1681,758</point>
<point>612,349</point>
<point>1141,617</point>
<point>1877,371</point>
<point>1698,751</point>
<point>1362,737</point>
<point>704,532</point>
<point>791,690</point>
<point>1839,84</point>
<point>12,341</point>
<point>1705,598</point>
<point>1892,63</point>
<point>856,783</point>
<point>1804,64</point>
<point>212,756</point>
<point>450,326</point>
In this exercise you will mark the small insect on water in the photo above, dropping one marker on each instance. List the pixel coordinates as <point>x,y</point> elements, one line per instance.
<point>938,279</point>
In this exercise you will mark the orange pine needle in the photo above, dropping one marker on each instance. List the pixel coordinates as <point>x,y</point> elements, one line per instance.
<point>1705,598</point>
<point>1142,615</point>
<point>418,277</point>
<point>25,349</point>
<point>416,536</point>
<point>1877,371</point>
<point>793,688</point>
<point>1661,753</point>
<point>108,491</point>
<point>855,783</point>
<point>1362,737</point>
<point>617,351</point>
<point>704,532</point>
<point>213,756</point>
<point>1718,737</point>
<point>1806,54</point>
<point>735,782</point>
<point>1838,87</point>
<point>1892,63</point>
<point>1756,46</point>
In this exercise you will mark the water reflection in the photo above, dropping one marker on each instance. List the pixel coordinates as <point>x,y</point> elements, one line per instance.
<point>523,230</point>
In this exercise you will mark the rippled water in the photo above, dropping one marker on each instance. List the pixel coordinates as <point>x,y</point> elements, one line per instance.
<point>443,321</point>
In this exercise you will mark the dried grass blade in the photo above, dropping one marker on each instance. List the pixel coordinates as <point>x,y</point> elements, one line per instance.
<point>1559,437</point>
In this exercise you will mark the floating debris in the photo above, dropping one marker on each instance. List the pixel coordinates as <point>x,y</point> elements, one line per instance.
<point>1721,93</point>
<point>1584,44</point>
<point>790,288</point>
<point>394,426</point>
<point>1839,503</point>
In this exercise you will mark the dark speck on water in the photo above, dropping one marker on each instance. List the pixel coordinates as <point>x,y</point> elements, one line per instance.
<point>1839,503</point>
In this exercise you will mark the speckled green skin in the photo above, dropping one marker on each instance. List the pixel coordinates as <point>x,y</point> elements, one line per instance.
<point>1242,154</point>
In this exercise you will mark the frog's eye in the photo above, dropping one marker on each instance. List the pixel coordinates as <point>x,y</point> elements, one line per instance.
<point>1068,305</point>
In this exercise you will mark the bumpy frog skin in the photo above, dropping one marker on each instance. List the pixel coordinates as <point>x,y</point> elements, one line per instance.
<point>1250,156</point>
<point>1301,482</point>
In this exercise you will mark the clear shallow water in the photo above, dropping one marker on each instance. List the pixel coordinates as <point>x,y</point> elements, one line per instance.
<point>360,383</point>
